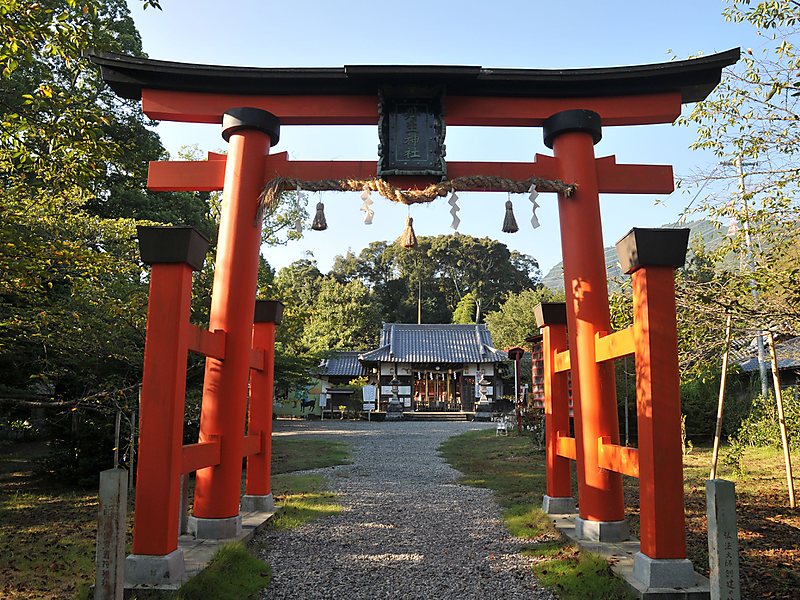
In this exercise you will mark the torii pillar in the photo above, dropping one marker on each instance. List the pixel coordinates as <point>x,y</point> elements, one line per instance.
<point>572,135</point>
<point>249,132</point>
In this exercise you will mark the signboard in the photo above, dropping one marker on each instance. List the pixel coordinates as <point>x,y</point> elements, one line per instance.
<point>403,390</point>
<point>411,134</point>
<point>323,399</point>
<point>368,393</point>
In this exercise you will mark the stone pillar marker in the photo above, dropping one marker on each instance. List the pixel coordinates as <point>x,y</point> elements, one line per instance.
<point>111,514</point>
<point>723,541</point>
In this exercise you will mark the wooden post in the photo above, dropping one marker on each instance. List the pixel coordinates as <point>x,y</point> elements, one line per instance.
<point>268,314</point>
<point>662,520</point>
<point>183,520</point>
<point>132,448</point>
<point>651,256</point>
<point>787,459</point>
<point>722,381</point>
<point>552,319</point>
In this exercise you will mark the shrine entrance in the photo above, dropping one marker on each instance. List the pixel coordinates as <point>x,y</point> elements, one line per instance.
<point>437,391</point>
<point>411,105</point>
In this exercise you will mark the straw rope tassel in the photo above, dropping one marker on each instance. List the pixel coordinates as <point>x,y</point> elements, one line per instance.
<point>510,223</point>
<point>319,223</point>
<point>408,239</point>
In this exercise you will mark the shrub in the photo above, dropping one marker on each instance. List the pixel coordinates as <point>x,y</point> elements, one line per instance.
<point>760,426</point>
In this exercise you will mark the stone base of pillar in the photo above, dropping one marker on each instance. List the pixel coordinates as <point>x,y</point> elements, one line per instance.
<point>147,569</point>
<point>215,529</point>
<point>601,531</point>
<point>483,411</point>
<point>663,572</point>
<point>558,506</point>
<point>257,503</point>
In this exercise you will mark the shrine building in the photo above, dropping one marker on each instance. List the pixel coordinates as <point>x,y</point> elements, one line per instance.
<point>437,366</point>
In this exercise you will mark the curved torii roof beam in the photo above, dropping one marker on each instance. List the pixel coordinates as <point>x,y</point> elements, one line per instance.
<point>629,95</point>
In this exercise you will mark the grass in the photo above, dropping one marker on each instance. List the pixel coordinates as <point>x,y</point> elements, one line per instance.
<point>514,470</point>
<point>769,531</point>
<point>303,452</point>
<point>301,498</point>
<point>233,574</point>
<point>48,531</point>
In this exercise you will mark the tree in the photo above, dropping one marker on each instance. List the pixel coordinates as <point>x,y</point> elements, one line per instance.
<point>465,309</point>
<point>72,186</point>
<point>515,321</point>
<point>344,318</point>
<point>72,160</point>
<point>482,266</point>
<point>750,123</point>
<point>437,274</point>
<point>297,286</point>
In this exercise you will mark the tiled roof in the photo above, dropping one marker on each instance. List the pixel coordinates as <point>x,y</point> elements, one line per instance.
<point>342,364</point>
<point>434,343</point>
<point>787,353</point>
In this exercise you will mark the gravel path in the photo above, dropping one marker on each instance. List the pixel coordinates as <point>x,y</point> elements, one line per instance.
<point>407,530</point>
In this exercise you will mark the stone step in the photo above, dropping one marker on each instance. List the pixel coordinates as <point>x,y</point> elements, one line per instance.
<point>438,416</point>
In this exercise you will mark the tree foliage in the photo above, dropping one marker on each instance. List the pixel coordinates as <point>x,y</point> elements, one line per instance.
<point>515,321</point>
<point>438,274</point>
<point>750,124</point>
<point>73,161</point>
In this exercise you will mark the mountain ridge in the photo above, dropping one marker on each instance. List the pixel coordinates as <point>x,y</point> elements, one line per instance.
<point>710,237</point>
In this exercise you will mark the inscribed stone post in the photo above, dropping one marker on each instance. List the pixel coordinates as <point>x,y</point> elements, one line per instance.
<point>723,542</point>
<point>111,513</point>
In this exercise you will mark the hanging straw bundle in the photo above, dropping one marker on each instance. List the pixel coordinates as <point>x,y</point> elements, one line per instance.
<point>510,223</point>
<point>408,239</point>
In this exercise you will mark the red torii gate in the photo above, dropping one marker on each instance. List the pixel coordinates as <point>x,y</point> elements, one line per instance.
<point>572,106</point>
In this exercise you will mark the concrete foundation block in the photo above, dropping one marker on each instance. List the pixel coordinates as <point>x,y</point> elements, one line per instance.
<point>215,529</point>
<point>145,569</point>
<point>663,572</point>
<point>257,503</point>
<point>601,531</point>
<point>558,506</point>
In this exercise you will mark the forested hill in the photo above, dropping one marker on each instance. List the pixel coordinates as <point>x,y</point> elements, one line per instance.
<point>703,233</point>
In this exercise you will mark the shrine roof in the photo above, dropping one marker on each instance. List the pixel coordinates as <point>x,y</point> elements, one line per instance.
<point>434,343</point>
<point>694,78</point>
<point>787,353</point>
<point>341,364</point>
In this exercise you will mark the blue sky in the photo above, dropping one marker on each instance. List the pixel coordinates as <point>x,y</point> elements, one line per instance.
<point>532,34</point>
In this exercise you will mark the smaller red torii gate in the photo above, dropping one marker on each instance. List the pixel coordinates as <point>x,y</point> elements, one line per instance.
<point>650,256</point>
<point>572,107</point>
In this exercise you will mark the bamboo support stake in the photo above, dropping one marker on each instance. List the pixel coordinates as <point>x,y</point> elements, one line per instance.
<point>721,403</point>
<point>117,426</point>
<point>131,450</point>
<point>787,459</point>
